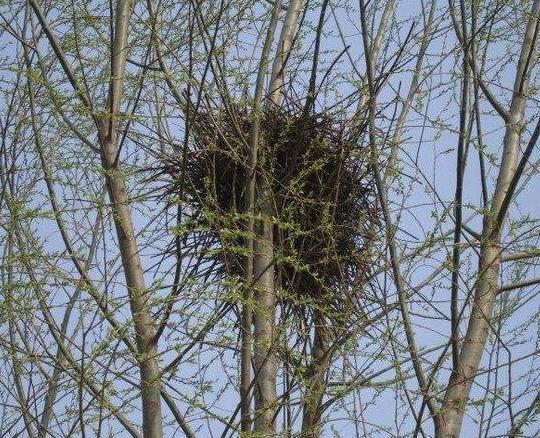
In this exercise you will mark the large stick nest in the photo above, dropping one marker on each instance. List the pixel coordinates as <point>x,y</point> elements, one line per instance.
<point>321,196</point>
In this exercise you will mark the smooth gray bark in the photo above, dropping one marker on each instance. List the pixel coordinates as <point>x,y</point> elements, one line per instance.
<point>263,264</point>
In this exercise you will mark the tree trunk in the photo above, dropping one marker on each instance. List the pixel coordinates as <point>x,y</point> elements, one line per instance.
<point>139,298</point>
<point>138,295</point>
<point>283,51</point>
<point>263,319</point>
<point>263,269</point>
<point>316,381</point>
<point>460,382</point>
<point>247,311</point>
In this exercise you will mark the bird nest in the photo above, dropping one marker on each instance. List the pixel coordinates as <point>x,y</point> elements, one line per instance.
<point>319,187</point>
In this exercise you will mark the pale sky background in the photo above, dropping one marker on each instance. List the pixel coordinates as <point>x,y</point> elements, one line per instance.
<point>427,160</point>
